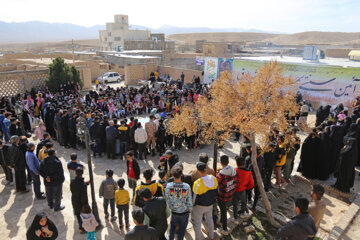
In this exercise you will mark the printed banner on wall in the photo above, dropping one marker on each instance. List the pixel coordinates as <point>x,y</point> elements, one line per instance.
<point>199,60</point>
<point>326,84</point>
<point>225,65</point>
<point>210,69</point>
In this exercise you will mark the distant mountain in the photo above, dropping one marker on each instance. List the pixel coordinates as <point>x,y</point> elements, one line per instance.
<point>36,31</point>
<point>42,32</point>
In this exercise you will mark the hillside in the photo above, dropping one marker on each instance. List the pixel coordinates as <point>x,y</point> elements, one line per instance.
<point>333,38</point>
<point>190,38</point>
<point>329,38</point>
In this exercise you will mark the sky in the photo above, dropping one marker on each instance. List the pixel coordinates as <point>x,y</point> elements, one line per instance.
<point>268,15</point>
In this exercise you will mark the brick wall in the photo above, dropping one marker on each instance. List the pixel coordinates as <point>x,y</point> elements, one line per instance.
<point>133,73</point>
<point>175,73</point>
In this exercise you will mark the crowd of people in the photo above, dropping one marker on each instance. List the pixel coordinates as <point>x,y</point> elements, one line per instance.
<point>203,194</point>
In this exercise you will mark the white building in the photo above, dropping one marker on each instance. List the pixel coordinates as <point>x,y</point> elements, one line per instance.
<point>112,39</point>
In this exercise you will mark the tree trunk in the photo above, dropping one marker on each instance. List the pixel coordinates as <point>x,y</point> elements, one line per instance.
<point>260,182</point>
<point>216,145</point>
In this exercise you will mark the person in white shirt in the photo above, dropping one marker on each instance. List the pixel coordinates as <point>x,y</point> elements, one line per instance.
<point>140,140</point>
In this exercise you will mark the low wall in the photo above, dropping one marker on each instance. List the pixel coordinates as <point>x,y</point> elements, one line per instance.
<point>133,73</point>
<point>175,73</point>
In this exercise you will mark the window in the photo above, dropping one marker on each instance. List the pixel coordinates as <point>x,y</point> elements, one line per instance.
<point>139,45</point>
<point>109,34</point>
<point>151,45</point>
<point>118,39</point>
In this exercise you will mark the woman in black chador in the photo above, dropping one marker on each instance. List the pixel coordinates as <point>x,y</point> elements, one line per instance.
<point>348,159</point>
<point>42,228</point>
<point>309,155</point>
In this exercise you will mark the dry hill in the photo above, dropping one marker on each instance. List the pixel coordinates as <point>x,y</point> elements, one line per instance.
<point>328,38</point>
<point>190,38</point>
<point>332,38</point>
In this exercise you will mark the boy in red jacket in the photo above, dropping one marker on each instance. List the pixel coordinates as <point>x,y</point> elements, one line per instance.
<point>246,182</point>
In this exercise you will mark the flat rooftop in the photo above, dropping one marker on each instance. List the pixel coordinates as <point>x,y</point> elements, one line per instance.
<point>133,56</point>
<point>342,62</point>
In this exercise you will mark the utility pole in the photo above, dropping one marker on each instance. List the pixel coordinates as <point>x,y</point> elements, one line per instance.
<point>83,133</point>
<point>72,45</point>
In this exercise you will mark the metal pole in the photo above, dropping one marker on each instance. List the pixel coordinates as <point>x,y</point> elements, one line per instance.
<point>82,125</point>
<point>94,204</point>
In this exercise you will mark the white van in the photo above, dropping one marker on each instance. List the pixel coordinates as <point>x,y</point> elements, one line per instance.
<point>111,77</point>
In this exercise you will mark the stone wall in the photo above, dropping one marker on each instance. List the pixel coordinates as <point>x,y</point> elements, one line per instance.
<point>134,73</point>
<point>175,73</point>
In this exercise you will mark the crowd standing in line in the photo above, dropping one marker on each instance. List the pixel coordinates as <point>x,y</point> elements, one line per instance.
<point>196,196</point>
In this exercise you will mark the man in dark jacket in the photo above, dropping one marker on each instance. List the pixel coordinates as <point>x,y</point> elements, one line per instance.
<point>156,211</point>
<point>300,227</point>
<point>79,197</point>
<point>65,128</point>
<point>96,133</point>
<point>141,231</point>
<point>19,164</point>
<point>171,158</point>
<point>5,163</point>
<point>72,130</point>
<point>53,173</point>
<point>111,133</point>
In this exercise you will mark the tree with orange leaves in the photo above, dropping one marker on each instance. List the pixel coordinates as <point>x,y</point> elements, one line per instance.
<point>260,102</point>
<point>255,103</point>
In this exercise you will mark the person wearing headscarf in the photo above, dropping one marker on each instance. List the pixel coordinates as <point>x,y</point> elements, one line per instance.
<point>322,165</point>
<point>348,159</point>
<point>309,155</point>
<point>42,228</point>
<point>336,137</point>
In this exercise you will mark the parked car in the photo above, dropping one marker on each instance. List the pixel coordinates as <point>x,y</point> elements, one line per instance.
<point>112,77</point>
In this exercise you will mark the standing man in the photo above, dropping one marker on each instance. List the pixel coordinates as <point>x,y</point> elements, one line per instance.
<point>57,128</point>
<point>317,206</point>
<point>195,174</point>
<point>228,182</point>
<point>151,130</point>
<point>72,130</point>
<point>178,198</point>
<point>156,212</point>
<point>53,173</point>
<point>171,158</point>
<point>18,162</point>
<point>140,231</point>
<point>300,227</point>
<point>124,136</point>
<point>65,128</point>
<point>140,141</point>
<point>34,167</point>
<point>205,190</point>
<point>96,132</point>
<point>79,197</point>
<point>5,163</point>
<point>110,140</point>
<point>133,171</point>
